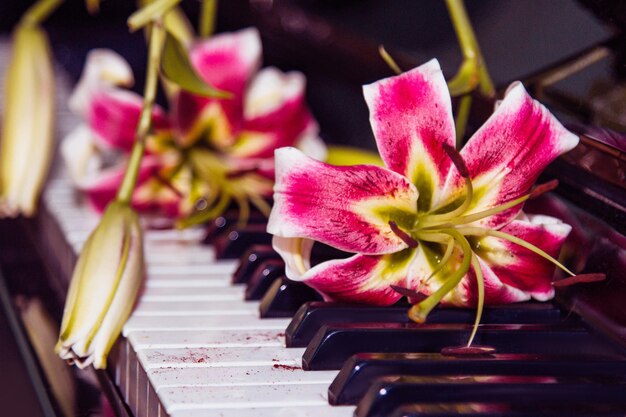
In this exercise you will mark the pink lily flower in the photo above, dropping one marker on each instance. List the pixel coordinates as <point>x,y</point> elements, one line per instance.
<point>435,221</point>
<point>210,150</point>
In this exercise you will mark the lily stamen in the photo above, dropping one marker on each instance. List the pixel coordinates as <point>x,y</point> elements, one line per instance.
<point>480,283</point>
<point>406,238</point>
<point>541,189</point>
<point>480,231</point>
<point>420,311</point>
<point>459,163</point>
<point>470,218</point>
<point>443,262</point>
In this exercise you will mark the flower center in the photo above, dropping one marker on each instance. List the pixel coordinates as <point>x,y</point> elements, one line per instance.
<point>451,230</point>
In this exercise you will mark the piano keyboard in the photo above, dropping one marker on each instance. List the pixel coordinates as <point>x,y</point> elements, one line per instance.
<point>193,346</point>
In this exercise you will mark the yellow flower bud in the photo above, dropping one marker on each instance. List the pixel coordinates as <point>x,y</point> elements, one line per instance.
<point>27,140</point>
<point>104,285</point>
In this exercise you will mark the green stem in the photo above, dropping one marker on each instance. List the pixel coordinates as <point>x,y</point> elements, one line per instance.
<point>207,18</point>
<point>150,13</point>
<point>157,36</point>
<point>462,116</point>
<point>39,12</point>
<point>469,45</point>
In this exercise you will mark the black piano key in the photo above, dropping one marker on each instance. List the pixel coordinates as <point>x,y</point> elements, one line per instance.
<point>358,372</point>
<point>250,261</point>
<point>389,393</point>
<point>334,344</point>
<point>263,278</point>
<point>285,297</point>
<point>232,244</point>
<point>478,409</point>
<point>228,221</point>
<point>311,316</point>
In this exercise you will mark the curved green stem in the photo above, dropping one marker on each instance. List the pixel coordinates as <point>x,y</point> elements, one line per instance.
<point>157,36</point>
<point>444,260</point>
<point>461,118</point>
<point>39,12</point>
<point>420,311</point>
<point>469,45</point>
<point>207,18</point>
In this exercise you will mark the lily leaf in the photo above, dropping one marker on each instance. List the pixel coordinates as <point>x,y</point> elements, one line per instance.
<point>149,13</point>
<point>176,67</point>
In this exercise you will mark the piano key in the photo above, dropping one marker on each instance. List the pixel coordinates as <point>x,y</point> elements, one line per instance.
<point>220,357</point>
<point>229,221</point>
<point>480,409</point>
<point>250,261</point>
<point>192,294</point>
<point>194,308</point>
<point>234,322</point>
<point>389,393</point>
<point>311,316</point>
<point>282,411</point>
<point>233,244</point>
<point>334,344</point>
<point>205,338</point>
<point>362,369</point>
<point>285,297</point>
<point>275,374</point>
<point>263,278</point>
<point>238,397</point>
<point>225,267</point>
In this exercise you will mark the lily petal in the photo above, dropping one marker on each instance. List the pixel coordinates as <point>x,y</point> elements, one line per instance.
<point>507,154</point>
<point>511,273</point>
<point>113,115</point>
<point>411,116</point>
<point>275,114</point>
<point>520,268</point>
<point>104,68</point>
<point>361,278</point>
<point>227,62</point>
<point>345,207</point>
<point>101,189</point>
<point>81,155</point>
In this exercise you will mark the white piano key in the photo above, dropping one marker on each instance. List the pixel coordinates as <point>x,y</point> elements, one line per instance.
<point>220,357</point>
<point>237,375</point>
<point>234,322</point>
<point>226,267</point>
<point>195,308</point>
<point>236,397</point>
<point>282,411</point>
<point>205,338</point>
<point>192,294</point>
<point>186,281</point>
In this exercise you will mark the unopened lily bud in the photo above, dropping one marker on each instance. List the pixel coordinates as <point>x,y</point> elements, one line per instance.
<point>104,285</point>
<point>26,148</point>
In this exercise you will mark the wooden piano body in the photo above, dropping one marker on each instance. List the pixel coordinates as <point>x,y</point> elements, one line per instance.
<point>195,346</point>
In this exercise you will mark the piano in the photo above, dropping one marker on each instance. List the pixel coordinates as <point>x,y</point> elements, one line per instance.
<point>219,331</point>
